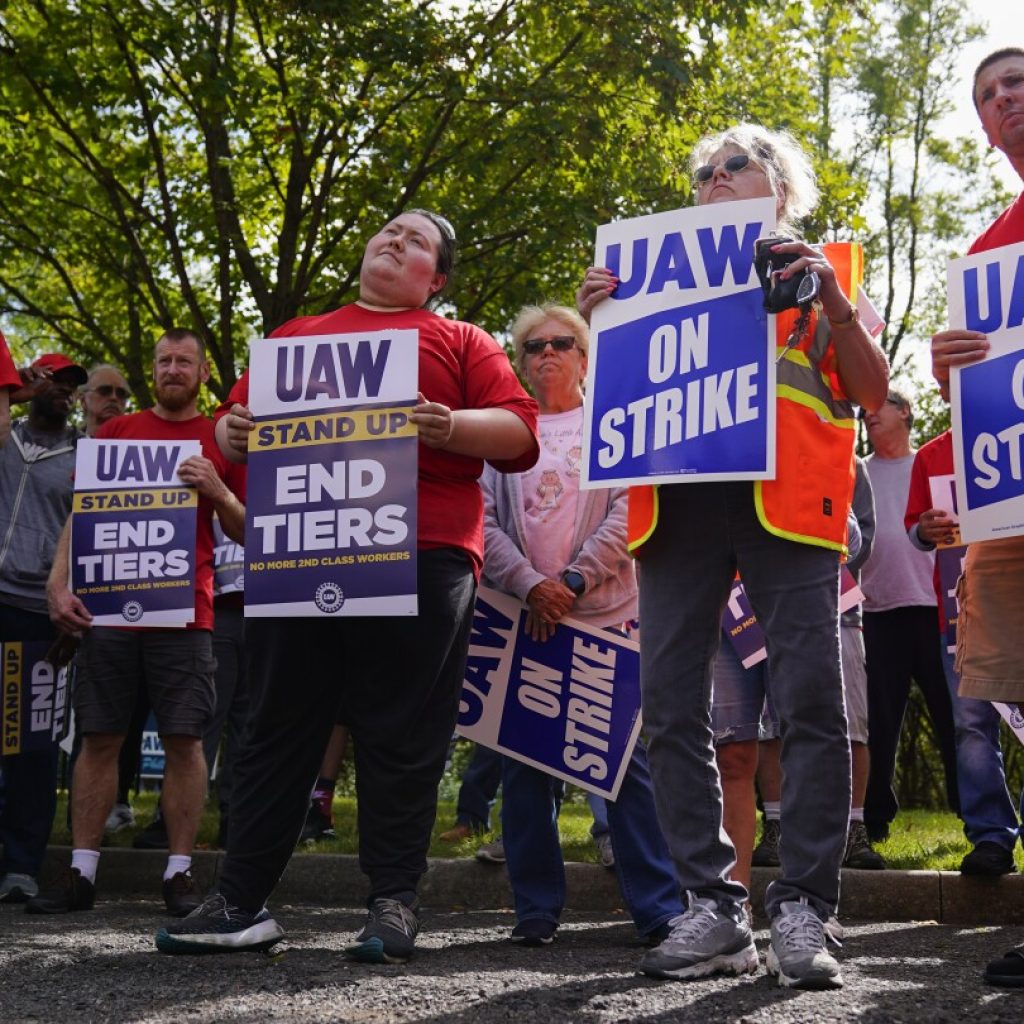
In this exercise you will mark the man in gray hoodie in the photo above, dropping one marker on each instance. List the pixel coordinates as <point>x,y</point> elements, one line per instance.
<point>36,483</point>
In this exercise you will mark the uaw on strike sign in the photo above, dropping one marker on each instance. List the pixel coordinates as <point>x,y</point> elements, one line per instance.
<point>681,375</point>
<point>330,523</point>
<point>133,532</point>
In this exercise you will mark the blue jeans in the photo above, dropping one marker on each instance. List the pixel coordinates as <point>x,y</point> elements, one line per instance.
<point>985,804</point>
<point>529,819</point>
<point>480,782</point>
<point>705,532</point>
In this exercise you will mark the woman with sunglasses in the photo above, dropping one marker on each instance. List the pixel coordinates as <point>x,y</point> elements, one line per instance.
<point>786,538</point>
<point>394,681</point>
<point>562,552</point>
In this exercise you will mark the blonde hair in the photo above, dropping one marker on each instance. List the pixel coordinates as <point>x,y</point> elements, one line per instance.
<point>782,158</point>
<point>531,317</point>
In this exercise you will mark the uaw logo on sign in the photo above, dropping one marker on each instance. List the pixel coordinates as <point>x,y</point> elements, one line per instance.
<point>331,509</point>
<point>35,696</point>
<point>986,293</point>
<point>133,532</point>
<point>569,706</point>
<point>681,373</point>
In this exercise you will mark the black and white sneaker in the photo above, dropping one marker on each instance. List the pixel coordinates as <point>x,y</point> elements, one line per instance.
<point>389,935</point>
<point>215,926</point>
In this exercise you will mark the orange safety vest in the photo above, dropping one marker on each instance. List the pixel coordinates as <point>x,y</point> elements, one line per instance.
<point>815,430</point>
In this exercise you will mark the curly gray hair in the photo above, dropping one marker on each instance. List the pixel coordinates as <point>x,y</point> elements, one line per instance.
<point>780,156</point>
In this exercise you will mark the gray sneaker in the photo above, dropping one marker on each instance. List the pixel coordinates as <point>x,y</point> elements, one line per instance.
<point>797,955</point>
<point>704,940</point>
<point>17,888</point>
<point>605,853</point>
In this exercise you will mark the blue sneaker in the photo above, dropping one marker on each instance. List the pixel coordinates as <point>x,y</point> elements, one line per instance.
<point>215,926</point>
<point>389,935</point>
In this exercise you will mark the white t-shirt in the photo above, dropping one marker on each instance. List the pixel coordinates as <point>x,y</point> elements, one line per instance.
<point>897,574</point>
<point>551,490</point>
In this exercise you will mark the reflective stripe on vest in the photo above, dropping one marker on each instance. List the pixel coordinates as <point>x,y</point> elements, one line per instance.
<point>808,499</point>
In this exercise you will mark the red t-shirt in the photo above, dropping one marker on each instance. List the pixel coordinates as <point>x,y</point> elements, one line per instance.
<point>147,426</point>
<point>1006,229</point>
<point>460,366</point>
<point>8,371</point>
<point>932,459</point>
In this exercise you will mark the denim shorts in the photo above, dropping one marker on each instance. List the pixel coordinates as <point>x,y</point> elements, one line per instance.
<point>741,707</point>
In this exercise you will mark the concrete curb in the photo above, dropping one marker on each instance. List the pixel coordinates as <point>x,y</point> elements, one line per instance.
<point>946,897</point>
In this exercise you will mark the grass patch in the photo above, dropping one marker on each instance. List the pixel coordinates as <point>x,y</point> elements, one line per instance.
<point>919,840</point>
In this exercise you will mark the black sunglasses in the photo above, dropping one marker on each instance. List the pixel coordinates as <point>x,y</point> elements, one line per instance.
<point>106,390</point>
<point>732,165</point>
<point>534,346</point>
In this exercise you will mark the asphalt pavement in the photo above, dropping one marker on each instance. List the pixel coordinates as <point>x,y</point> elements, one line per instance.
<point>102,966</point>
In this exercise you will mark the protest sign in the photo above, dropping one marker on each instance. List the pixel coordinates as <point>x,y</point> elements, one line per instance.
<point>35,698</point>
<point>949,558</point>
<point>331,508</point>
<point>1013,717</point>
<point>745,632</point>
<point>133,532</point>
<point>569,706</point>
<point>228,563</point>
<point>681,374</point>
<point>986,293</point>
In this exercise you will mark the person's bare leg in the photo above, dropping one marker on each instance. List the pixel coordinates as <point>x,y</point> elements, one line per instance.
<point>861,757</point>
<point>184,791</point>
<point>769,770</point>
<point>334,755</point>
<point>737,765</point>
<point>94,788</point>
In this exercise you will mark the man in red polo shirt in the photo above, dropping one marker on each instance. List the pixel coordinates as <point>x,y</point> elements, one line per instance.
<point>177,664</point>
<point>992,589</point>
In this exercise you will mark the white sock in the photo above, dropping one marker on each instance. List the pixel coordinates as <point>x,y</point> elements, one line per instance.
<point>176,862</point>
<point>86,862</point>
<point>856,814</point>
<point>772,810</point>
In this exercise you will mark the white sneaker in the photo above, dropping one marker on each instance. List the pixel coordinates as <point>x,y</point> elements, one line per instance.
<point>120,817</point>
<point>797,955</point>
<point>492,852</point>
<point>704,940</point>
<point>17,888</point>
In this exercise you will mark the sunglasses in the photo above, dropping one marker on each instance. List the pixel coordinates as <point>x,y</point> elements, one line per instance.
<point>534,346</point>
<point>732,165</point>
<point>107,390</point>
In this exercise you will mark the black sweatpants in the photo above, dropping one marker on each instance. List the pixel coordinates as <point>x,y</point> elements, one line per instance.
<point>902,644</point>
<point>396,683</point>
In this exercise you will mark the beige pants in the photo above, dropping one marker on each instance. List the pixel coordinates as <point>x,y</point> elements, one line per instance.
<point>991,623</point>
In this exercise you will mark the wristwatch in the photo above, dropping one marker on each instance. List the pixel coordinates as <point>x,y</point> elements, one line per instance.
<point>574,581</point>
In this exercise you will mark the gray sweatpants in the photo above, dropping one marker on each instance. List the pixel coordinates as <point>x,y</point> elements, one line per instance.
<point>705,532</point>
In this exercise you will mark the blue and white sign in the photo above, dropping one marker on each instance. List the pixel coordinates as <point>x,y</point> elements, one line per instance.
<point>133,532</point>
<point>228,563</point>
<point>681,375</point>
<point>330,521</point>
<point>569,706</point>
<point>35,698</point>
<point>986,293</point>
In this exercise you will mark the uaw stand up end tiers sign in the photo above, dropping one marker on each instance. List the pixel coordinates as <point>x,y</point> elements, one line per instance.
<point>133,532</point>
<point>331,513</point>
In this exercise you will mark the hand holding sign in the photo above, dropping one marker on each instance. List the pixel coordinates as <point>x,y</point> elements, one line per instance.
<point>936,527</point>
<point>598,284</point>
<point>434,421</point>
<point>199,472</point>
<point>956,348</point>
<point>235,428</point>
<point>67,612</point>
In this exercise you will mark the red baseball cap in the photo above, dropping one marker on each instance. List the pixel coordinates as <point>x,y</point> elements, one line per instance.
<point>55,362</point>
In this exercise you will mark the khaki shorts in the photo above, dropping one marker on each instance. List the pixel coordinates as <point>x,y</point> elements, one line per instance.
<point>855,681</point>
<point>991,622</point>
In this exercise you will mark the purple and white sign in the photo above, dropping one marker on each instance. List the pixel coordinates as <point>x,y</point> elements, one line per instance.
<point>681,374</point>
<point>35,698</point>
<point>569,706</point>
<point>330,519</point>
<point>228,563</point>
<point>986,293</point>
<point>133,532</point>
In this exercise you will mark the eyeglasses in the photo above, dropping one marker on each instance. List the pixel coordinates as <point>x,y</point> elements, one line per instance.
<point>534,346</point>
<point>732,165</point>
<point>106,390</point>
